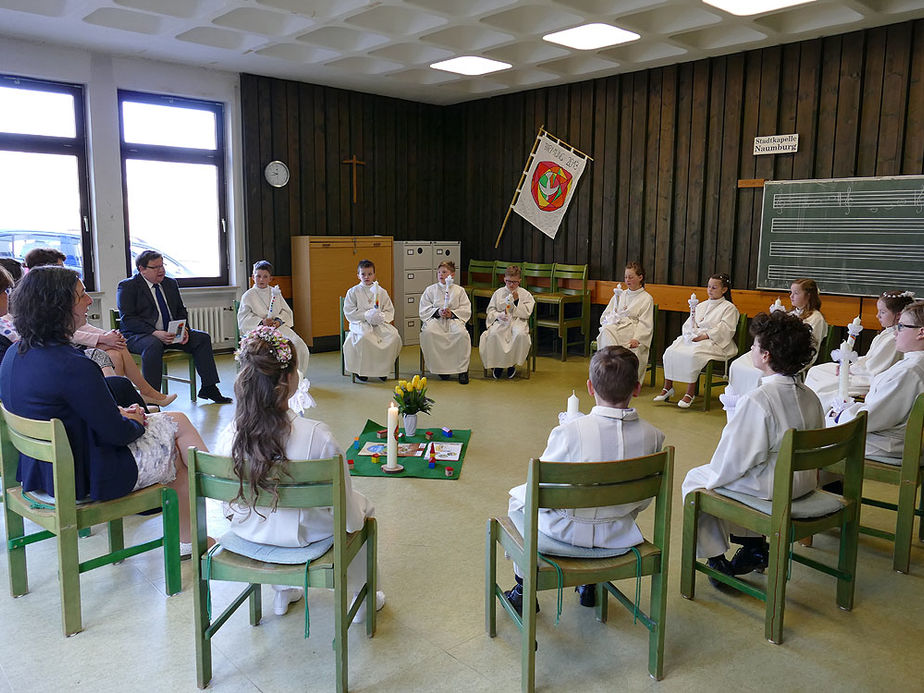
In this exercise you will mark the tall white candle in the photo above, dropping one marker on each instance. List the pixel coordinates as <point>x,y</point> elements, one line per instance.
<point>392,440</point>
<point>843,382</point>
<point>574,404</point>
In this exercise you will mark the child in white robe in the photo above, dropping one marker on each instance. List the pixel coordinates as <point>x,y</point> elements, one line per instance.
<point>505,343</point>
<point>373,344</point>
<point>629,318</point>
<point>264,435</point>
<point>892,392</point>
<point>709,333</point>
<point>823,378</point>
<point>444,339</point>
<point>262,304</point>
<point>806,305</point>
<point>612,431</point>
<point>745,459</point>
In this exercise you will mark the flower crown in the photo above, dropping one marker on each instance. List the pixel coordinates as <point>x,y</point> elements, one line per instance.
<point>281,347</point>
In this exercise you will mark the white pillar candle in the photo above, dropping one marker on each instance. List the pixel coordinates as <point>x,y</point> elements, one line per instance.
<point>392,440</point>
<point>853,331</point>
<point>843,382</point>
<point>574,404</point>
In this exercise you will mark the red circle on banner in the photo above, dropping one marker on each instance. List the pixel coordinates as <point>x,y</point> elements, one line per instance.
<point>550,186</point>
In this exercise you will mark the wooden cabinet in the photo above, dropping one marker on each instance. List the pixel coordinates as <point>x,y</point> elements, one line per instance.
<point>323,269</point>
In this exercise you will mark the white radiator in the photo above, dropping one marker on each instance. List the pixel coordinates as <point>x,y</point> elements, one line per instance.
<point>209,319</point>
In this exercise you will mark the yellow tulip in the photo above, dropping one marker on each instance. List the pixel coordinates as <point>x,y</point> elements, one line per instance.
<point>423,382</point>
<point>397,389</point>
<point>403,383</point>
<point>415,381</point>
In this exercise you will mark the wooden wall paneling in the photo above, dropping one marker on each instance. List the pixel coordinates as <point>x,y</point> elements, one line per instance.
<point>370,156</point>
<point>264,237</point>
<point>624,181</point>
<point>306,181</point>
<point>250,141</point>
<point>786,117</point>
<point>767,124</point>
<point>584,141</point>
<point>356,145</point>
<point>664,184</point>
<point>913,156</point>
<point>557,250</point>
<point>675,246</point>
<point>848,106</point>
<point>871,102</point>
<point>648,227</point>
<point>827,107</point>
<point>293,157</point>
<point>807,108</point>
<point>346,222</point>
<point>747,167</point>
<point>692,231</point>
<point>279,130</point>
<point>333,184</point>
<point>600,264</point>
<point>413,167</point>
<point>320,169</point>
<point>894,93</point>
<point>611,263</point>
<point>510,175</point>
<point>715,155</point>
<point>728,181</point>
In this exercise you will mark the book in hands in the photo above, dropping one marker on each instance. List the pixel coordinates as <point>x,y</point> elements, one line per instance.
<point>177,328</point>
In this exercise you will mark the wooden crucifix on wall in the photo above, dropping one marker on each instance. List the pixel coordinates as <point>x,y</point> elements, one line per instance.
<point>354,162</point>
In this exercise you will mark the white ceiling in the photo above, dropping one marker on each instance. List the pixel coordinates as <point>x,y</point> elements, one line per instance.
<point>385,47</point>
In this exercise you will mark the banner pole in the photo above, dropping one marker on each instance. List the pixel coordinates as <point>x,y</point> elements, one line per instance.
<point>516,194</point>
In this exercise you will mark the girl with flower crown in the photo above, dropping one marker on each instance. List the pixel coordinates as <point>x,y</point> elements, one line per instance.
<point>263,437</point>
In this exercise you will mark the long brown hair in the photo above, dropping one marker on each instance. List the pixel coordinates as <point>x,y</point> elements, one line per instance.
<point>261,419</point>
<point>810,287</point>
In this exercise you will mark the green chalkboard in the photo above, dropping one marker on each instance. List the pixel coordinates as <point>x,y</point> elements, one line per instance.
<point>854,236</point>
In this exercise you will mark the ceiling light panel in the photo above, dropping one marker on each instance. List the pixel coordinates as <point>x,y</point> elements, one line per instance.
<point>746,8</point>
<point>591,36</point>
<point>471,65</point>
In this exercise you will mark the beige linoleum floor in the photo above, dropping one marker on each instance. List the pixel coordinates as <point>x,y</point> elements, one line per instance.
<point>431,633</point>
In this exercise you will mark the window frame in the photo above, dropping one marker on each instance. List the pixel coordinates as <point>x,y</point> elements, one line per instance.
<point>185,155</point>
<point>70,146</point>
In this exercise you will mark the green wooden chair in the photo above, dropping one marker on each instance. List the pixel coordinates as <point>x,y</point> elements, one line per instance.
<point>652,366</point>
<point>559,299</point>
<point>481,285</point>
<point>565,485</point>
<point>170,356</point>
<point>784,520</point>
<point>908,475</point>
<point>344,331</point>
<point>537,279</point>
<point>531,356</point>
<point>312,483</point>
<point>65,518</point>
<point>715,374</point>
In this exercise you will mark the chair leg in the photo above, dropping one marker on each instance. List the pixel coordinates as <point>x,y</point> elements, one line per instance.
<point>658,615</point>
<point>904,525</point>
<point>69,581</point>
<point>688,547</point>
<point>256,604</point>
<point>707,398</point>
<point>164,380</point>
<point>490,578</point>
<point>398,368</point>
<point>776,588</point>
<point>371,574</point>
<point>528,636</point>
<point>170,520</point>
<point>203,644</point>
<point>116,536</point>
<point>847,558</point>
<point>601,610</point>
<point>192,380</point>
<point>16,558</point>
<point>341,607</point>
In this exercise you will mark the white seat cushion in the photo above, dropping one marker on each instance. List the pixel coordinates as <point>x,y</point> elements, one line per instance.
<point>814,504</point>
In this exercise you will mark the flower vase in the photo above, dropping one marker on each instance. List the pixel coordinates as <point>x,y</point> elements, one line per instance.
<point>410,424</point>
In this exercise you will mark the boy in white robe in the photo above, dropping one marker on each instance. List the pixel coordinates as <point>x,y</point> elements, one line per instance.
<point>506,341</point>
<point>262,304</point>
<point>612,431</point>
<point>444,339</point>
<point>373,343</point>
<point>745,459</point>
<point>629,318</point>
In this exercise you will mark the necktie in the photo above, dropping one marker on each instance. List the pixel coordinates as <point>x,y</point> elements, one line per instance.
<point>162,305</point>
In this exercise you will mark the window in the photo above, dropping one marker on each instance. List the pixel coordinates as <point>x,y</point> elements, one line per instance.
<point>173,180</point>
<point>44,199</point>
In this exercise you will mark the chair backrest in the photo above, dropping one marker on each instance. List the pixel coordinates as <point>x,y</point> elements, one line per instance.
<point>741,334</point>
<point>815,449</point>
<point>825,345</point>
<point>115,319</point>
<point>500,266</point>
<point>45,441</point>
<point>344,323</point>
<point>562,272</point>
<point>481,273</point>
<point>531,271</point>
<point>914,436</point>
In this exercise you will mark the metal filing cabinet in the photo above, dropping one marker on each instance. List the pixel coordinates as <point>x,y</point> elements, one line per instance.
<point>415,265</point>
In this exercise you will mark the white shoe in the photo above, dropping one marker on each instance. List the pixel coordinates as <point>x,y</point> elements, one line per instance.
<point>685,403</point>
<point>185,550</point>
<point>285,597</point>
<point>361,613</point>
<point>666,394</point>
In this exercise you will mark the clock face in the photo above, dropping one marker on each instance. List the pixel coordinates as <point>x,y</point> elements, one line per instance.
<point>276,173</point>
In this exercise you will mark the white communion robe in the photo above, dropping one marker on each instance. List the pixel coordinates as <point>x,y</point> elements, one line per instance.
<point>629,316</point>
<point>506,340</point>
<point>370,350</point>
<point>882,355</point>
<point>604,434</point>
<point>446,345</point>
<point>716,318</point>
<point>888,405</point>
<point>292,527</point>
<point>745,459</point>
<point>743,377</point>
<point>255,307</point>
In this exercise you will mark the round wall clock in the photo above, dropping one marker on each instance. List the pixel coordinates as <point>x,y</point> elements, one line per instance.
<point>276,173</point>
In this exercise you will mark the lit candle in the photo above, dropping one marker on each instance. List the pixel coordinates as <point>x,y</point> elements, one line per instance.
<point>853,331</point>
<point>448,284</point>
<point>274,292</point>
<point>375,291</point>
<point>574,404</point>
<point>777,305</point>
<point>392,440</point>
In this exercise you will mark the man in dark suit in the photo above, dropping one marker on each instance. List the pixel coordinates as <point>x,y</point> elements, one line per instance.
<point>148,302</point>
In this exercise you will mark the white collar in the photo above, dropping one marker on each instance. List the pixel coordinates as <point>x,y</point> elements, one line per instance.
<point>628,414</point>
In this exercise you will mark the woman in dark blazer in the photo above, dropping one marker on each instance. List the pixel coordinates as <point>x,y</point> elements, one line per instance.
<point>116,450</point>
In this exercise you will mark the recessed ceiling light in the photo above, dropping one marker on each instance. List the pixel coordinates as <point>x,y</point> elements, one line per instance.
<point>470,65</point>
<point>743,8</point>
<point>591,36</point>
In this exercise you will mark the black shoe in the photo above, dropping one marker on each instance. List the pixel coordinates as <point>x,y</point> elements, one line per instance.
<point>444,377</point>
<point>588,595</point>
<point>213,393</point>
<point>512,371</point>
<point>498,372</point>
<point>721,564</point>
<point>383,378</point>
<point>515,597</point>
<point>463,378</point>
<point>836,486</point>
<point>362,378</point>
<point>750,558</point>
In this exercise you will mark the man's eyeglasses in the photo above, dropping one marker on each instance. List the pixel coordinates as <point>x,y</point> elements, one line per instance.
<point>155,267</point>
<point>901,326</point>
